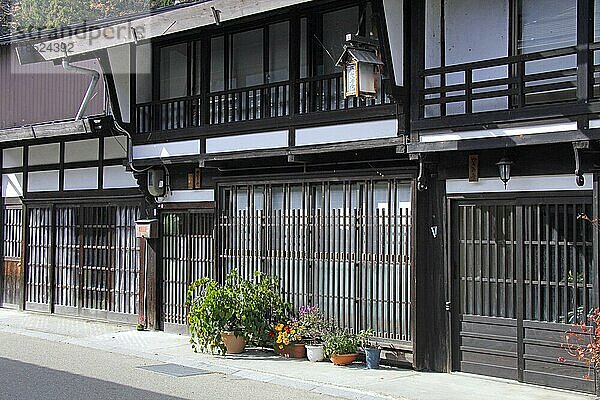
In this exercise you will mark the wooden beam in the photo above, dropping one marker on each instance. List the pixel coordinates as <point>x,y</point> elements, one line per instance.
<point>179,19</point>
<point>503,142</point>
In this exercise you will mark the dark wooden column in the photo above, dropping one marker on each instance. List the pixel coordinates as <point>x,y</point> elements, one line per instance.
<point>152,300</point>
<point>431,328</point>
<point>585,36</point>
<point>596,253</point>
<point>142,280</point>
<point>596,239</point>
<point>2,267</point>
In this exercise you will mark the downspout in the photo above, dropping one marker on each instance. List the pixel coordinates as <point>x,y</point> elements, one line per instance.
<point>90,91</point>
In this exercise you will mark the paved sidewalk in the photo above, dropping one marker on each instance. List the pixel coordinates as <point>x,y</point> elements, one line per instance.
<point>353,382</point>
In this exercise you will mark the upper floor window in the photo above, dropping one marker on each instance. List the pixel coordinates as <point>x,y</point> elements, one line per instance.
<point>240,59</point>
<point>173,71</point>
<point>462,32</point>
<point>336,25</point>
<point>330,30</point>
<point>255,57</point>
<point>247,67</point>
<point>547,25</point>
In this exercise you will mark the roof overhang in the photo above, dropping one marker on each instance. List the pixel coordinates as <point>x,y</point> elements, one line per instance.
<point>152,26</point>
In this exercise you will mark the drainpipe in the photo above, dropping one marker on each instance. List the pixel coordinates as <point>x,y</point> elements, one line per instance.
<point>90,91</point>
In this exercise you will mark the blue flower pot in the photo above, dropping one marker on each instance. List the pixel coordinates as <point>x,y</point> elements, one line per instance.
<point>372,357</point>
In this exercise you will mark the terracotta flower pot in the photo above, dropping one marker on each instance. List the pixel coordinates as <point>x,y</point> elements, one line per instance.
<point>295,351</point>
<point>343,359</point>
<point>234,344</point>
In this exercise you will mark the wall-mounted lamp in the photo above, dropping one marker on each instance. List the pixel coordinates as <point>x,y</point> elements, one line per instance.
<point>504,168</point>
<point>216,15</point>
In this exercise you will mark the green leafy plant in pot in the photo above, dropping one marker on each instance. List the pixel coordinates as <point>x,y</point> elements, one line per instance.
<point>341,346</point>
<point>372,350</point>
<point>223,318</point>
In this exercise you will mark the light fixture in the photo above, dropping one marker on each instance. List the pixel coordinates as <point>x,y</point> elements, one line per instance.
<point>504,168</point>
<point>360,66</point>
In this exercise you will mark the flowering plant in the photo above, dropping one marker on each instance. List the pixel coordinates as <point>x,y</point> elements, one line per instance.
<point>312,324</point>
<point>583,342</point>
<point>286,334</point>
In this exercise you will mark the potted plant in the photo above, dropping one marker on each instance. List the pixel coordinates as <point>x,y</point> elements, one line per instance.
<point>313,326</point>
<point>223,318</point>
<point>213,317</point>
<point>372,351</point>
<point>288,340</point>
<point>341,346</point>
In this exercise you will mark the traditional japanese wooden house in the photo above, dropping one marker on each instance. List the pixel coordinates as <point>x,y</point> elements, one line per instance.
<point>69,205</point>
<point>450,206</point>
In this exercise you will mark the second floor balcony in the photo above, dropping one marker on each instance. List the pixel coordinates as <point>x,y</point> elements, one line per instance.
<point>262,102</point>
<point>276,72</point>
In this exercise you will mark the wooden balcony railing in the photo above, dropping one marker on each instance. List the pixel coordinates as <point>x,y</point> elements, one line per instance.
<point>274,100</point>
<point>326,93</point>
<point>165,115</point>
<point>256,102</point>
<point>505,83</point>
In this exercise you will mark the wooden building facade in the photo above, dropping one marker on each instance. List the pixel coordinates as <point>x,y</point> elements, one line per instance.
<point>69,205</point>
<point>386,212</point>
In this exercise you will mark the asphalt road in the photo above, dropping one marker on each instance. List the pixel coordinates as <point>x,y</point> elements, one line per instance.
<point>37,369</point>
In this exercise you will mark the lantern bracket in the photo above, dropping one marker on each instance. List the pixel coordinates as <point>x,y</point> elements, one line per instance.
<point>421,179</point>
<point>578,147</point>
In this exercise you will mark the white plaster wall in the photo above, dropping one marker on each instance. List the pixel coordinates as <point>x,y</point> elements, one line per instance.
<point>121,69</point>
<point>81,150</point>
<point>12,158</point>
<point>115,147</point>
<point>185,196</point>
<point>42,181</point>
<point>43,154</point>
<point>12,185</point>
<point>394,18</point>
<point>166,150</point>
<point>116,176</point>
<point>539,183</point>
<point>347,132</point>
<point>81,178</point>
<point>266,140</point>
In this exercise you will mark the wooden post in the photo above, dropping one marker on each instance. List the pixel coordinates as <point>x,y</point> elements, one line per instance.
<point>142,280</point>
<point>21,296</point>
<point>152,306</point>
<point>595,270</point>
<point>431,333</point>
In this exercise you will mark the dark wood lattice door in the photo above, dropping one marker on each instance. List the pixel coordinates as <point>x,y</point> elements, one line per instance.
<point>522,274</point>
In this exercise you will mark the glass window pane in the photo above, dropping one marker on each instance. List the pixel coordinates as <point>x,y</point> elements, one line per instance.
<point>217,70</point>
<point>246,61</point>
<point>547,24</point>
<point>279,50</point>
<point>304,47</point>
<point>197,68</point>
<point>596,20</point>
<point>173,71</point>
<point>336,25</point>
